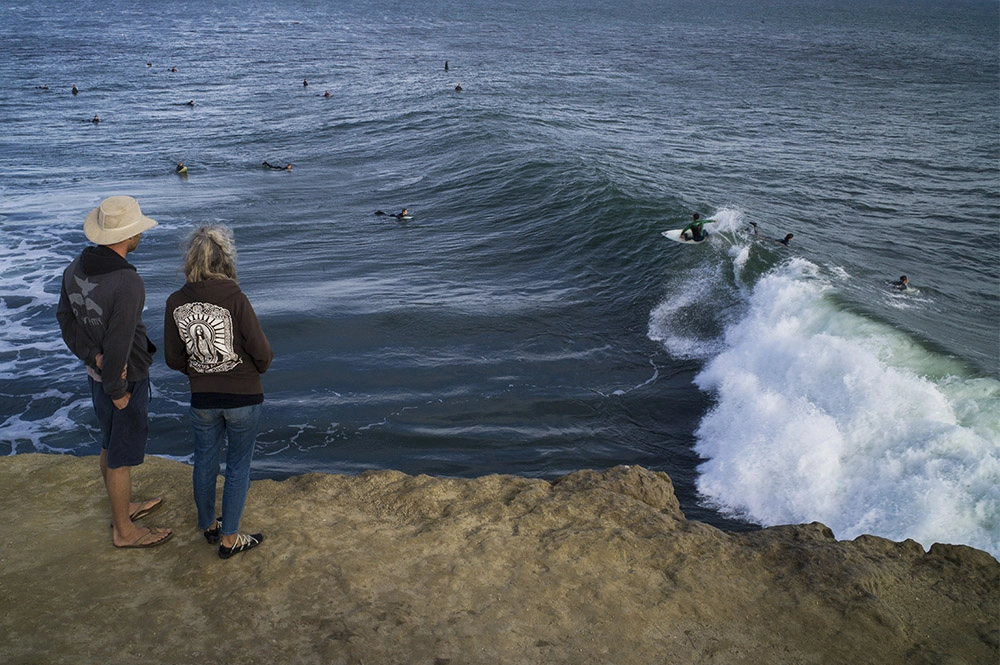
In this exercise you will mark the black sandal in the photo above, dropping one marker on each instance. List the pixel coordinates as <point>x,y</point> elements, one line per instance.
<point>214,535</point>
<point>242,544</point>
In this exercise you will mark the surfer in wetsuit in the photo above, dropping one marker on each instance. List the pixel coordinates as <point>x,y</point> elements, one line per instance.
<point>784,241</point>
<point>696,228</point>
<point>401,215</point>
<point>902,284</point>
<point>275,167</point>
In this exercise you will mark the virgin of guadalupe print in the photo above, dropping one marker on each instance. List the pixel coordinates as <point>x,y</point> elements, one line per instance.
<point>207,331</point>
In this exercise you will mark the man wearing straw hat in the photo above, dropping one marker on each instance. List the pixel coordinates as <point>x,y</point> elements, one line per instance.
<point>100,315</point>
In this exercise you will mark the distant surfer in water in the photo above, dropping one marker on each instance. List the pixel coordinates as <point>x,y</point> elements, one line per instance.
<point>181,168</point>
<point>902,284</point>
<point>403,214</point>
<point>96,120</point>
<point>275,167</point>
<point>76,90</point>
<point>695,230</point>
<point>784,241</point>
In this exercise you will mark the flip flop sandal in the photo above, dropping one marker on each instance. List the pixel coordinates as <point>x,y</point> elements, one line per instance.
<point>141,512</point>
<point>150,539</point>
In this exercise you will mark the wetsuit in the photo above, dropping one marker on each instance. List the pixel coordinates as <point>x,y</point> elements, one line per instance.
<point>698,233</point>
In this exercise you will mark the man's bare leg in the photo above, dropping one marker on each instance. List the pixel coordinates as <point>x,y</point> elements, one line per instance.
<point>133,506</point>
<point>119,485</point>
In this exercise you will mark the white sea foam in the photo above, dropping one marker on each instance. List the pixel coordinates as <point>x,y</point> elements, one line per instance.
<point>31,351</point>
<point>824,415</point>
<point>679,321</point>
<point>729,219</point>
<point>24,433</point>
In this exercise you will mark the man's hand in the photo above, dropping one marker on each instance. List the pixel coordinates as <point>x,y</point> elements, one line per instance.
<point>121,402</point>
<point>99,361</point>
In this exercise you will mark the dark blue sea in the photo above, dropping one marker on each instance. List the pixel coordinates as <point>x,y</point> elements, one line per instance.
<point>530,318</point>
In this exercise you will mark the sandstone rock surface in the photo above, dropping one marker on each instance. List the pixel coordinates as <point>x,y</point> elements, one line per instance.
<point>385,568</point>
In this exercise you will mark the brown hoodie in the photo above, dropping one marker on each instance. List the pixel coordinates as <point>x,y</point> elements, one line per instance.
<point>211,333</point>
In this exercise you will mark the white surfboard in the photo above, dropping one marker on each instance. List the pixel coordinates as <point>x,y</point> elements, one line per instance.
<point>675,234</point>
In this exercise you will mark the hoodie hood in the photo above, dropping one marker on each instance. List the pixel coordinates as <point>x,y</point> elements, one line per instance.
<point>211,290</point>
<point>100,260</point>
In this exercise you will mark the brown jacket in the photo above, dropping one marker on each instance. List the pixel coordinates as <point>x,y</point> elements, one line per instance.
<point>211,333</point>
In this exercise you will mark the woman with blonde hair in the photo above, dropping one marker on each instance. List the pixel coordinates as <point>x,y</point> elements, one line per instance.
<point>211,334</point>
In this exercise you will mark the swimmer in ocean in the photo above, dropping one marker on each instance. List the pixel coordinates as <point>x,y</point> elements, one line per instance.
<point>404,213</point>
<point>784,241</point>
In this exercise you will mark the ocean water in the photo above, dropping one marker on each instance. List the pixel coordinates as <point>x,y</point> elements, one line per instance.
<point>530,318</point>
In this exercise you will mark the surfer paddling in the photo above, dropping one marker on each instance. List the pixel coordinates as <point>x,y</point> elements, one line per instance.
<point>275,167</point>
<point>403,214</point>
<point>902,284</point>
<point>784,241</point>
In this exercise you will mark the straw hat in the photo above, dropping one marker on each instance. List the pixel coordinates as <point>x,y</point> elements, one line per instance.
<point>117,218</point>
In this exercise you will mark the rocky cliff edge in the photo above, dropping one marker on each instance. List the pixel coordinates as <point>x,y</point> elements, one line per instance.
<point>385,568</point>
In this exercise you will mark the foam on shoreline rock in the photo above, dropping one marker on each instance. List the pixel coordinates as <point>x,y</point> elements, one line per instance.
<point>595,567</point>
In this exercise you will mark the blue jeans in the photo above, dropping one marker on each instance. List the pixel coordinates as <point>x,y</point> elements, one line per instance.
<point>211,428</point>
